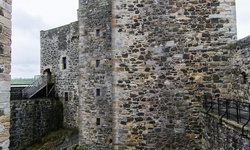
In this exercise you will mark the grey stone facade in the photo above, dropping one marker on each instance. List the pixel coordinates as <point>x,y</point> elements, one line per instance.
<point>5,59</point>
<point>95,75</point>
<point>59,56</point>
<point>32,119</point>
<point>152,46</point>
<point>139,68</point>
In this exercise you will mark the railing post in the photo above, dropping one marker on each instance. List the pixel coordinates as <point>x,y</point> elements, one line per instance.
<point>218,103</point>
<point>205,103</point>
<point>247,120</point>
<point>227,107</point>
<point>237,112</point>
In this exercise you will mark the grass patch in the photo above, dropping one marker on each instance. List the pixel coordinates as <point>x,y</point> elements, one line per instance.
<point>53,139</point>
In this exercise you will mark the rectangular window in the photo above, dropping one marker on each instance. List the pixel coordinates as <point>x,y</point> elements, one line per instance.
<point>98,121</point>
<point>64,63</point>
<point>98,33</point>
<point>98,92</point>
<point>1,48</point>
<point>66,96</point>
<point>97,63</point>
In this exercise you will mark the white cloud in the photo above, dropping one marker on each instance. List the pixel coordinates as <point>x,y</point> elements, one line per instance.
<point>243,18</point>
<point>29,18</point>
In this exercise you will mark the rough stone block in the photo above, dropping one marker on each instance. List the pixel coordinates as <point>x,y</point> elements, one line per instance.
<point>4,86</point>
<point>6,6</point>
<point>4,97</point>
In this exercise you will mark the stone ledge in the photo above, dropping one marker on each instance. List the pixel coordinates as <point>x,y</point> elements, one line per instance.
<point>230,122</point>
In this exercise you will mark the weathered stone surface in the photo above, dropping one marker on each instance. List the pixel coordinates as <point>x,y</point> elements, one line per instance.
<point>140,67</point>
<point>169,29</point>
<point>55,45</point>
<point>5,50</point>
<point>95,44</point>
<point>32,119</point>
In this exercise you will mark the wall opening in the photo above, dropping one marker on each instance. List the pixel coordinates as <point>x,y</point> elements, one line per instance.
<point>1,46</point>
<point>98,32</point>
<point>1,29</point>
<point>1,12</point>
<point>66,96</point>
<point>64,63</point>
<point>1,70</point>
<point>98,121</point>
<point>97,63</point>
<point>98,92</point>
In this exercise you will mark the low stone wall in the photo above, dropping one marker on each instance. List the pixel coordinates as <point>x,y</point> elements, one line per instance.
<point>32,119</point>
<point>225,135</point>
<point>16,92</point>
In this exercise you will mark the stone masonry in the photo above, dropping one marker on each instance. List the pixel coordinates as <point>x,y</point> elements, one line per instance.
<point>95,74</point>
<point>31,119</point>
<point>59,55</point>
<point>153,72</point>
<point>5,59</point>
<point>136,69</point>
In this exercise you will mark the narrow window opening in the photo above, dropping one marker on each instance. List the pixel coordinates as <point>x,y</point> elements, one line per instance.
<point>98,121</point>
<point>104,34</point>
<point>98,33</point>
<point>1,12</point>
<point>1,29</point>
<point>1,70</point>
<point>1,48</point>
<point>243,78</point>
<point>66,96</point>
<point>110,141</point>
<point>97,64</point>
<point>98,92</point>
<point>64,63</point>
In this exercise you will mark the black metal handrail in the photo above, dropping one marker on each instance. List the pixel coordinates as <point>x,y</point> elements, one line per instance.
<point>229,109</point>
<point>35,86</point>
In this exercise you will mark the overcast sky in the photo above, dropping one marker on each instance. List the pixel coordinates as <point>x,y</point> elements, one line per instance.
<point>31,16</point>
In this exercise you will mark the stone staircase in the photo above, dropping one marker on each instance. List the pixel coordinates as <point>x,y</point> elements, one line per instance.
<point>40,83</point>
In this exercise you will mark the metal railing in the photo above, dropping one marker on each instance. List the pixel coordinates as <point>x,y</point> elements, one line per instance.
<point>229,109</point>
<point>34,87</point>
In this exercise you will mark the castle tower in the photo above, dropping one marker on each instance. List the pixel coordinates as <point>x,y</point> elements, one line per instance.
<point>95,74</point>
<point>147,74</point>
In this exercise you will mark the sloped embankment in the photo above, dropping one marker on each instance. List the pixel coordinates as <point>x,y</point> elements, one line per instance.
<point>63,139</point>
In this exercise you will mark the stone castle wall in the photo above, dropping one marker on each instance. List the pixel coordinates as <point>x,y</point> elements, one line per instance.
<point>224,136</point>
<point>240,69</point>
<point>141,89</point>
<point>157,47</point>
<point>5,60</point>
<point>58,44</point>
<point>32,119</point>
<point>95,75</point>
